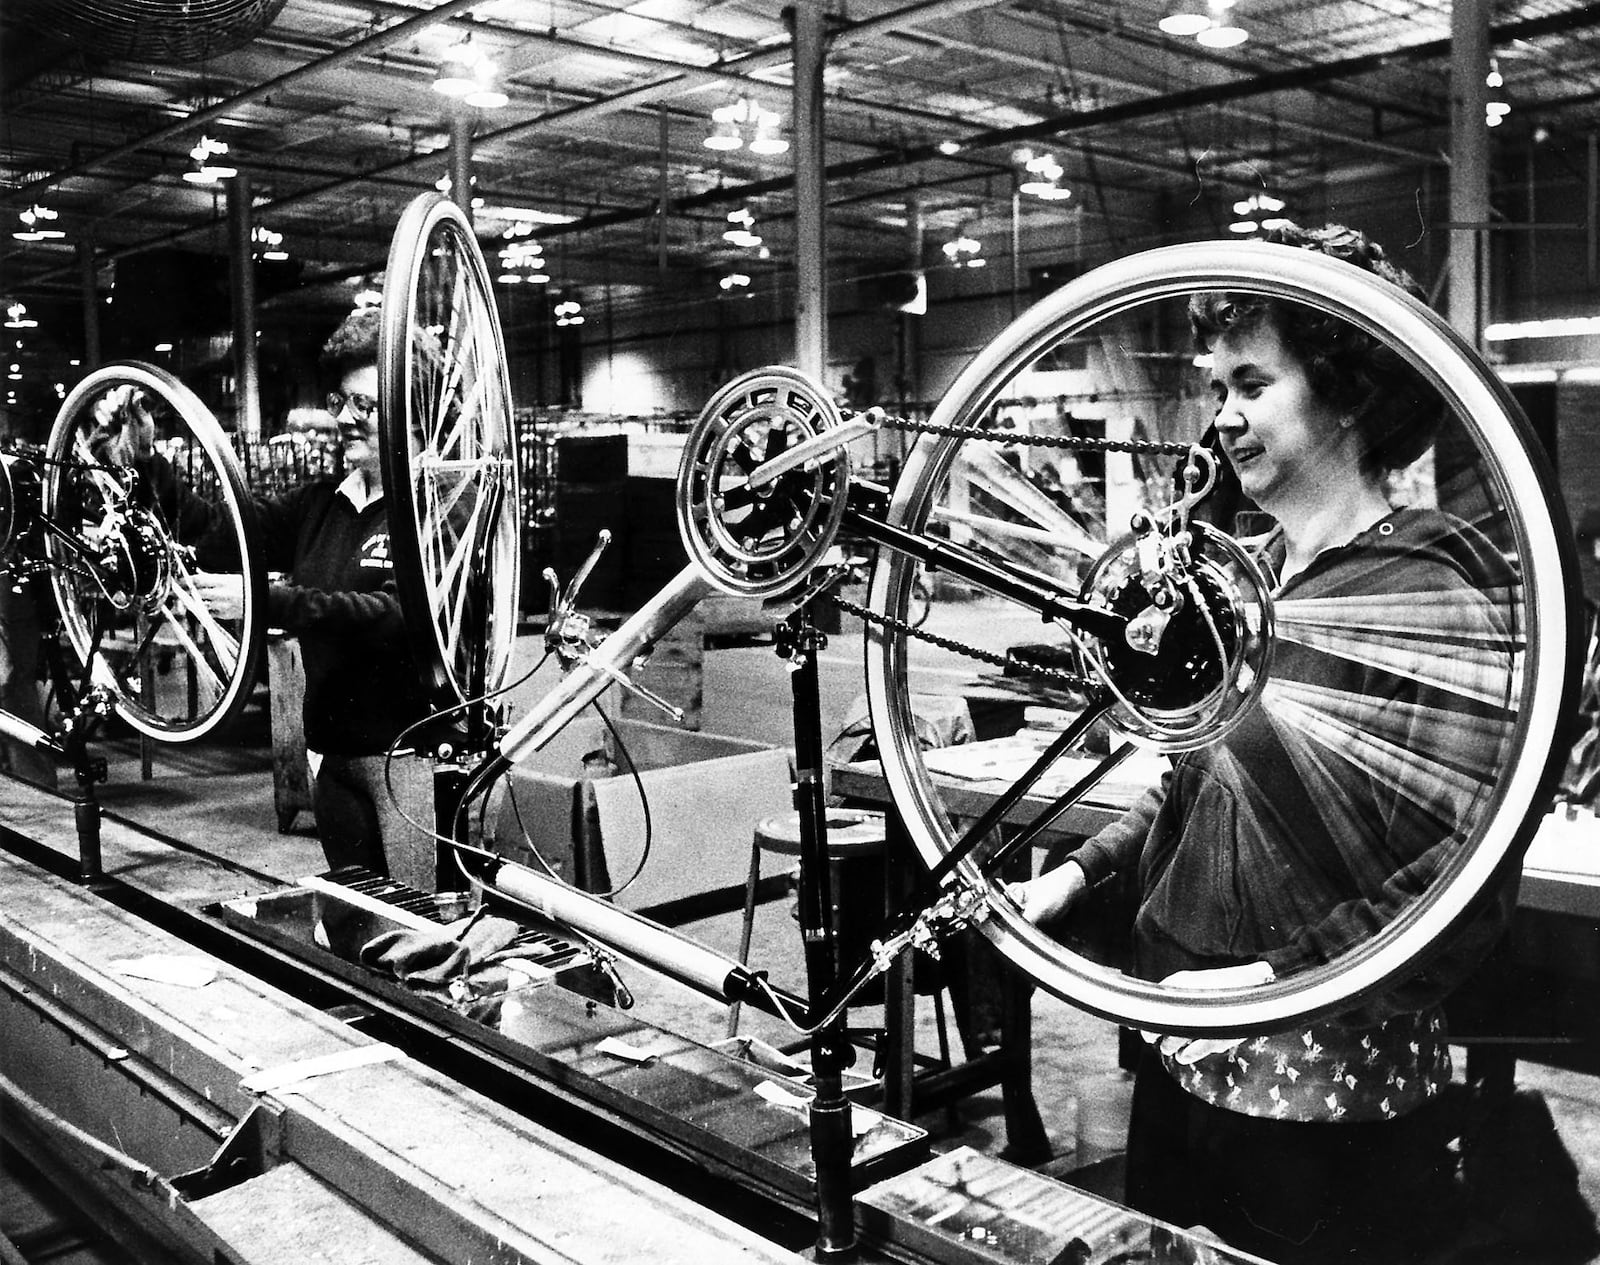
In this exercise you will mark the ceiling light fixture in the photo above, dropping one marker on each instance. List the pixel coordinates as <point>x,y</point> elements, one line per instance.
<point>727,121</point>
<point>1259,214</point>
<point>742,231</point>
<point>205,170</point>
<point>522,262</point>
<point>569,312</point>
<point>1042,176</point>
<point>728,124</point>
<point>964,252</point>
<point>734,281</point>
<point>17,317</point>
<point>267,245</point>
<point>457,74</point>
<point>724,136</point>
<point>527,215</point>
<point>1183,23</point>
<point>766,141</point>
<point>1496,107</point>
<point>486,96</point>
<point>1212,28</point>
<point>468,75</point>
<point>36,220</point>
<point>1553,327</point>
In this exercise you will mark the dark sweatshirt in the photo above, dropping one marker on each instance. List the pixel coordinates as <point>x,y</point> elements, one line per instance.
<point>338,597</point>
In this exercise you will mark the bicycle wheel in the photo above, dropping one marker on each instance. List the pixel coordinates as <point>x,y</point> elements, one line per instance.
<point>449,453</point>
<point>1488,673</point>
<point>123,544</point>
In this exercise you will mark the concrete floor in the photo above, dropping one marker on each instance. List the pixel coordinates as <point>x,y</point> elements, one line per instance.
<point>222,796</point>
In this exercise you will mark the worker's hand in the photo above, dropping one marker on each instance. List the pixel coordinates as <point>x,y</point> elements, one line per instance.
<point>124,428</point>
<point>1051,894</point>
<point>221,591</point>
<point>1188,1050</point>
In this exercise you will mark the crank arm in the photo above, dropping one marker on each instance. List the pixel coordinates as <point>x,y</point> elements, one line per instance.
<point>810,450</point>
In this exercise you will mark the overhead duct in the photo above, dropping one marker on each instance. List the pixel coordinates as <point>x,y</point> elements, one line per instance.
<point>161,31</point>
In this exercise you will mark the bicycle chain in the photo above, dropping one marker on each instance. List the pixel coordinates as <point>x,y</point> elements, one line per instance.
<point>1076,443</point>
<point>1070,680</point>
<point>1060,676</point>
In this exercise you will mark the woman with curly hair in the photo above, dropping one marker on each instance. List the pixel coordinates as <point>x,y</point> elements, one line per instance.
<point>1311,825</point>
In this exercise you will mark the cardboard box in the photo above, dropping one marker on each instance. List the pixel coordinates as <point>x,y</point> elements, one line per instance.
<point>576,804</point>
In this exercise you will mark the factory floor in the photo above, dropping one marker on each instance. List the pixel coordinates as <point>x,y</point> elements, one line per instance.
<point>220,796</point>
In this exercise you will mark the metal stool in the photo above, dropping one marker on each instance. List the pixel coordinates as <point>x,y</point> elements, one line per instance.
<point>853,835</point>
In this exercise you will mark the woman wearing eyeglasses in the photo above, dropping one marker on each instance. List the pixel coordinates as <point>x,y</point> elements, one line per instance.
<point>330,542</point>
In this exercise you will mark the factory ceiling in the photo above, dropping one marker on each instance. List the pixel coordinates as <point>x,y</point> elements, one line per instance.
<point>329,109</point>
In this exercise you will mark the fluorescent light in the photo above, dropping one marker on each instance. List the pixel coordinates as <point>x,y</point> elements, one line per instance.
<point>527,215</point>
<point>1556,327</point>
<point>1184,23</point>
<point>1581,373</point>
<point>1514,376</point>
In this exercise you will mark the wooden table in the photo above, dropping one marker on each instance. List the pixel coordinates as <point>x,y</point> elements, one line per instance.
<point>970,778</point>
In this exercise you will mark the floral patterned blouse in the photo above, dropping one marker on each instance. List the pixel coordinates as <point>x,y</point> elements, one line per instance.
<point>1327,1071</point>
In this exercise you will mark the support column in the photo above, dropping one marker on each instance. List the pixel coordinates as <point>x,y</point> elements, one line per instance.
<point>663,185</point>
<point>1591,202</point>
<point>1469,169</point>
<point>461,160</point>
<point>91,306</point>
<point>1016,248</point>
<point>242,287</point>
<point>811,261</point>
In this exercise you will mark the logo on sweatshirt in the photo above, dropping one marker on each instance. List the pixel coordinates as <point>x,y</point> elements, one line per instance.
<point>375,552</point>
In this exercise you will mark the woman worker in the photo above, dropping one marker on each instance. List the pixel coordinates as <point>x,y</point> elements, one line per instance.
<point>1308,826</point>
<point>337,596</point>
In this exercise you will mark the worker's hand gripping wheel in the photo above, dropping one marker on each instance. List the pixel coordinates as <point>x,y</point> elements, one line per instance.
<point>761,489</point>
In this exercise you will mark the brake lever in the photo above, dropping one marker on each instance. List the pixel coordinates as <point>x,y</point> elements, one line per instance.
<point>566,630</point>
